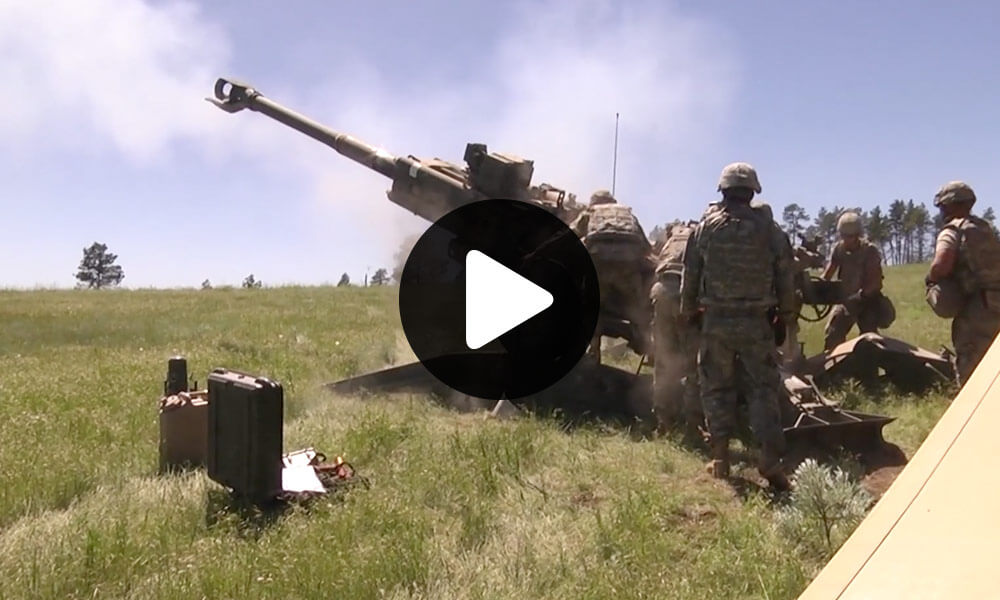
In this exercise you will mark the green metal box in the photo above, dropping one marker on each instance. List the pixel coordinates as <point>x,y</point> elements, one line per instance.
<point>245,435</point>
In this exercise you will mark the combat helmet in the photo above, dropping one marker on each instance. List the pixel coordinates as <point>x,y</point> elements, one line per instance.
<point>602,197</point>
<point>954,191</point>
<point>849,223</point>
<point>739,174</point>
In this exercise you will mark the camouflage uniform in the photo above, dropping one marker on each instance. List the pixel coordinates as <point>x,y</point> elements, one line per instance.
<point>622,257</point>
<point>860,271</point>
<point>976,275</point>
<point>804,258</point>
<point>738,267</point>
<point>675,343</point>
<point>863,264</point>
<point>789,350</point>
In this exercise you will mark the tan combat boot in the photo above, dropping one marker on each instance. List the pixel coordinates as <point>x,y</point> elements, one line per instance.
<point>718,467</point>
<point>771,469</point>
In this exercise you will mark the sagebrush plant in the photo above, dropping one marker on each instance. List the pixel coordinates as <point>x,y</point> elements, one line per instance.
<point>826,505</point>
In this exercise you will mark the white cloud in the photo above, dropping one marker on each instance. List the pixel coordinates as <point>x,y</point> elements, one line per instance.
<point>575,64</point>
<point>549,92</point>
<point>127,76</point>
<point>118,71</point>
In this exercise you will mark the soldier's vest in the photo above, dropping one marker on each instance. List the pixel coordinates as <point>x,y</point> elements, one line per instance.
<point>738,258</point>
<point>613,234</point>
<point>671,258</point>
<point>978,265</point>
<point>852,265</point>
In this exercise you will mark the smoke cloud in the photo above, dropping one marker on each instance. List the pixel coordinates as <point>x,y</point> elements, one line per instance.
<point>126,78</point>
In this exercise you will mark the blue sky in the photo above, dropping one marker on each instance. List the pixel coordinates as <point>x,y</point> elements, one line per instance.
<point>105,135</point>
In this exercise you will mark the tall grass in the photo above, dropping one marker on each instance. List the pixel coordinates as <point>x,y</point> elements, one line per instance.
<point>459,506</point>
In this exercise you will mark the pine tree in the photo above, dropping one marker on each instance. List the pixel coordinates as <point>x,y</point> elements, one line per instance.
<point>98,269</point>
<point>876,228</point>
<point>380,277</point>
<point>795,218</point>
<point>920,221</point>
<point>897,221</point>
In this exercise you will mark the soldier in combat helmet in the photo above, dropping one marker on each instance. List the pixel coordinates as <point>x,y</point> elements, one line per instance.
<point>858,264</point>
<point>623,260</point>
<point>738,277</point>
<point>964,278</point>
<point>675,342</point>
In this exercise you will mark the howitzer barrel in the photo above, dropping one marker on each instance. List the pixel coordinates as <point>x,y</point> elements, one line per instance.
<point>441,193</point>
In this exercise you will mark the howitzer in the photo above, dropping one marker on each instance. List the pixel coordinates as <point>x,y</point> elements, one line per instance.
<point>821,296</point>
<point>811,245</point>
<point>429,188</point>
<point>818,294</point>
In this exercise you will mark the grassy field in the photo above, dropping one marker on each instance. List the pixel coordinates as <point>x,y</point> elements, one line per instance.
<point>460,507</point>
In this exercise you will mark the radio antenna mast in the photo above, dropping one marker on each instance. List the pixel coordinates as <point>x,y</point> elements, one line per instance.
<point>614,164</point>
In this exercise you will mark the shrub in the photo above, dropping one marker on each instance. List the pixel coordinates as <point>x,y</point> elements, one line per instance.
<point>825,507</point>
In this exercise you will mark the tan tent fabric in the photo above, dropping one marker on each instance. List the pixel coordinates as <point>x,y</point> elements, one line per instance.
<point>936,531</point>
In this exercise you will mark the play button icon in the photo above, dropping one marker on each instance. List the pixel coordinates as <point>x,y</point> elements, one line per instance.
<point>499,299</point>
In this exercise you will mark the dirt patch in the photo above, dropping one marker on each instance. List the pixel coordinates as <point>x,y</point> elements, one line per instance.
<point>879,480</point>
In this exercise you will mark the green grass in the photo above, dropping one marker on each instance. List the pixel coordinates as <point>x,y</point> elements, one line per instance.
<point>459,507</point>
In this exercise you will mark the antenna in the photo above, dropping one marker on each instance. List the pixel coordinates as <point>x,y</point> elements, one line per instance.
<point>614,165</point>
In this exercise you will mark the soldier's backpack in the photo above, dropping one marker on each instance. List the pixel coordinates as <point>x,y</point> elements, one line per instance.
<point>946,298</point>
<point>612,223</point>
<point>671,258</point>
<point>886,312</point>
<point>980,252</point>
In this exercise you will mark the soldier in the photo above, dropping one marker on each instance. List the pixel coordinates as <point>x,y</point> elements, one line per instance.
<point>738,277</point>
<point>675,342</point>
<point>806,257</point>
<point>858,264</point>
<point>623,260</point>
<point>964,278</point>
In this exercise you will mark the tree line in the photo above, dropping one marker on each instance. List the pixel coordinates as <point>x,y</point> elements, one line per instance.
<point>904,231</point>
<point>99,269</point>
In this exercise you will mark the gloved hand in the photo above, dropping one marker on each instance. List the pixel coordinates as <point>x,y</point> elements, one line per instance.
<point>855,298</point>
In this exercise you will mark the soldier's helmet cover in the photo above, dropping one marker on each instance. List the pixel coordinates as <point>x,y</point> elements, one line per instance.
<point>602,197</point>
<point>954,191</point>
<point>739,174</point>
<point>849,223</point>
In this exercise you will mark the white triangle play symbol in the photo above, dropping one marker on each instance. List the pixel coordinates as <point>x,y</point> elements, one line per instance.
<point>497,299</point>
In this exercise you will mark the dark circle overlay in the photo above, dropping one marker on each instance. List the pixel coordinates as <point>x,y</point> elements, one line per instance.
<point>536,245</point>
